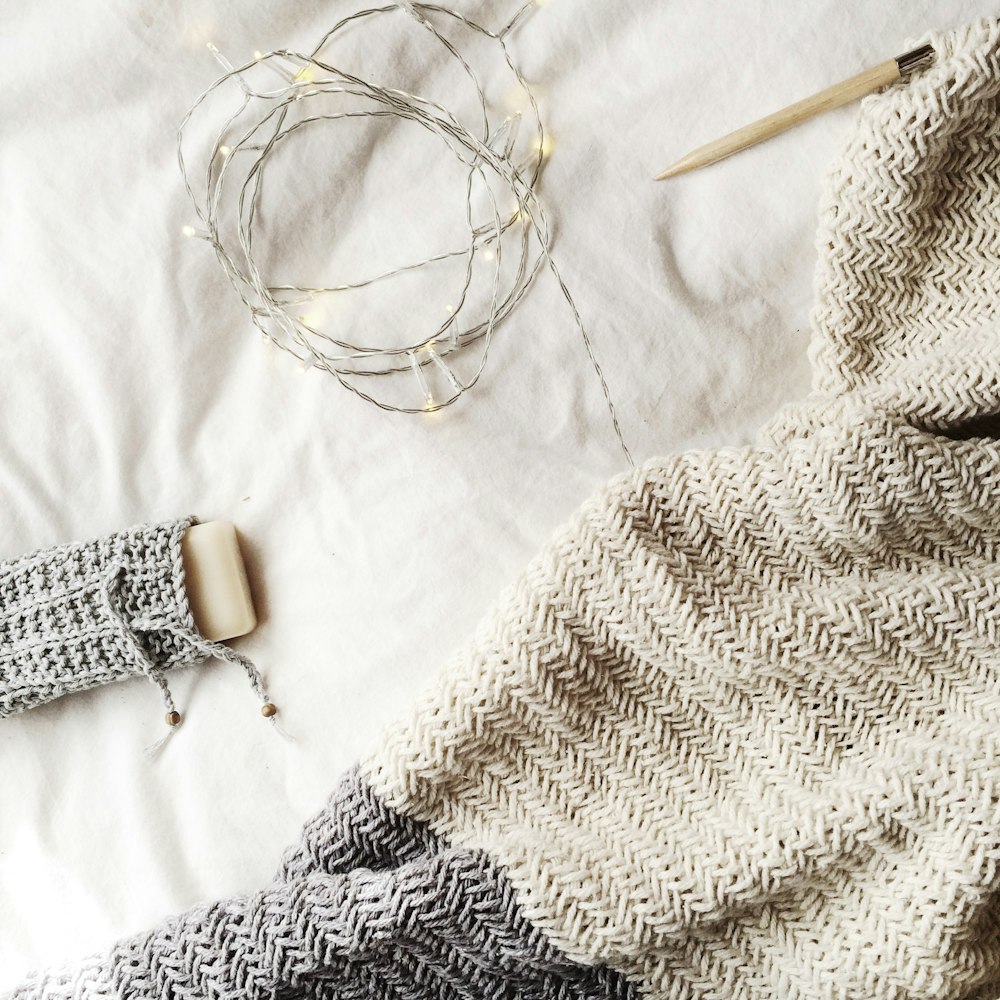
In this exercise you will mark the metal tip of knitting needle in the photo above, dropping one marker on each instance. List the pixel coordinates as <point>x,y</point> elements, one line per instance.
<point>911,60</point>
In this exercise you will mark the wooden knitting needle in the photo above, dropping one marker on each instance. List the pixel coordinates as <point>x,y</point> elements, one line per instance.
<point>833,97</point>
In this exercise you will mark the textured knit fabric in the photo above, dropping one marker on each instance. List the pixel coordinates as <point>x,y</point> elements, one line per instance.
<point>76,616</point>
<point>372,905</point>
<point>736,731</point>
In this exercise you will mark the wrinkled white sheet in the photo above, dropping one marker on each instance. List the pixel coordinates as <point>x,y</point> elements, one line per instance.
<point>132,389</point>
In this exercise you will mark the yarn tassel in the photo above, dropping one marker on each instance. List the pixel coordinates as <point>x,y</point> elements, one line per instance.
<point>155,749</point>
<point>281,731</point>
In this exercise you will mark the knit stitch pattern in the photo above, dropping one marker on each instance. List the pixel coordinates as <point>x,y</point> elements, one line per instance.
<point>734,734</point>
<point>76,616</point>
<point>372,906</point>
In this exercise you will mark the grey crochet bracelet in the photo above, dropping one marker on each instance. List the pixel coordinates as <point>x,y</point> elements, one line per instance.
<point>77,616</point>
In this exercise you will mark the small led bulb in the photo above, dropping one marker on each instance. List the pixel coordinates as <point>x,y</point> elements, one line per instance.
<point>188,230</point>
<point>425,389</point>
<point>446,371</point>
<point>225,150</point>
<point>543,146</point>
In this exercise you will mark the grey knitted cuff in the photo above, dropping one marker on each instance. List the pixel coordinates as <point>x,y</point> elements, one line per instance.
<point>76,616</point>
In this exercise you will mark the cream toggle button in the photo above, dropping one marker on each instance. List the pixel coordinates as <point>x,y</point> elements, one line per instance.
<point>216,581</point>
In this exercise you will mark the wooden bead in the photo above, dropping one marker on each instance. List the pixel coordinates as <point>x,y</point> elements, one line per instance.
<point>269,711</point>
<point>173,718</point>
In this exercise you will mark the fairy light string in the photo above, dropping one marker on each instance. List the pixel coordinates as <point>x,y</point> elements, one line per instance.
<point>282,92</point>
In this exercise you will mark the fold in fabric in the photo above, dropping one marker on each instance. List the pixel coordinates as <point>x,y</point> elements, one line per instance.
<point>734,733</point>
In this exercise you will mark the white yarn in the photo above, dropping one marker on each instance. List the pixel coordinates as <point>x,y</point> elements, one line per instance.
<point>736,733</point>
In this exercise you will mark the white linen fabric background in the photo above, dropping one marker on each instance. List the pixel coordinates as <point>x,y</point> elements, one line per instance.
<point>133,389</point>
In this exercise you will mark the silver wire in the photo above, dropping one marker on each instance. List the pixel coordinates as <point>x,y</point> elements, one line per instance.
<point>266,116</point>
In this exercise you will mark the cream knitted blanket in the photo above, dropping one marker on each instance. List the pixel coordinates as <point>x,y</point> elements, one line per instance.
<point>736,731</point>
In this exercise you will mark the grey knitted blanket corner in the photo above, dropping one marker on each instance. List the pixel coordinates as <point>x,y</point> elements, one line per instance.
<point>736,732</point>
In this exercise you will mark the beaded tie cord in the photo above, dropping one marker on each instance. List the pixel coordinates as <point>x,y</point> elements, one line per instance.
<point>77,616</point>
